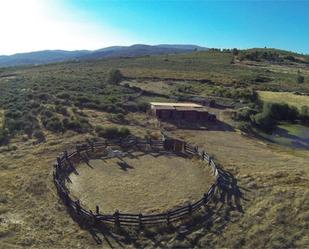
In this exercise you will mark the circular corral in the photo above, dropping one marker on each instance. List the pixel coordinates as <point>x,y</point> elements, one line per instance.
<point>139,181</point>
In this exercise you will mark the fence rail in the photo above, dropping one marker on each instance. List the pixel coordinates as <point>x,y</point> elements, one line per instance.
<point>64,166</point>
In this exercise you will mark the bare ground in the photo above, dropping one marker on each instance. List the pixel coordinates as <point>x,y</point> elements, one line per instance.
<point>146,183</point>
<point>274,182</point>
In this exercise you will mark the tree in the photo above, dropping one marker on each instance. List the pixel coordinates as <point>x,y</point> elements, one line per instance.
<point>114,76</point>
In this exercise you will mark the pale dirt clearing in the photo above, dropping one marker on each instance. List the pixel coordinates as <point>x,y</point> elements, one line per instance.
<point>141,182</point>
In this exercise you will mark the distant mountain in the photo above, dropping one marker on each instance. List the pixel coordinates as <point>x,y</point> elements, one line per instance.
<point>40,57</point>
<point>140,50</point>
<point>185,47</point>
<point>50,56</point>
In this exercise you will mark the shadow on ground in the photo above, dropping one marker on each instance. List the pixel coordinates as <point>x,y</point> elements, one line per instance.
<point>209,125</point>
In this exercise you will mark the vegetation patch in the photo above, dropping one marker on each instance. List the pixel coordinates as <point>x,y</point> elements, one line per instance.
<point>289,98</point>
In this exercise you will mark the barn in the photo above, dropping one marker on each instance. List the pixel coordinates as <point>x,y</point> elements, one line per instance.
<point>181,111</point>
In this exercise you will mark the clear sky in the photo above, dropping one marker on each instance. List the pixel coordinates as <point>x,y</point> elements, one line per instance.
<point>31,25</point>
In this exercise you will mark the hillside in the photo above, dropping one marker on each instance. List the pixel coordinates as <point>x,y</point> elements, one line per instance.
<point>51,56</point>
<point>46,109</point>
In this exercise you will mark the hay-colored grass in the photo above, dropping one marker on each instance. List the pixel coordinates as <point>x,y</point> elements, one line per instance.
<point>285,97</point>
<point>139,182</point>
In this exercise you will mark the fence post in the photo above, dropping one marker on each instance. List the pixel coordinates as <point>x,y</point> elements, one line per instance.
<point>205,198</point>
<point>59,161</point>
<point>190,208</point>
<point>94,217</point>
<point>196,149</point>
<point>117,221</point>
<point>77,207</point>
<point>56,171</point>
<point>97,209</point>
<point>77,149</point>
<point>168,217</point>
<point>140,216</point>
<point>65,153</point>
<point>92,146</point>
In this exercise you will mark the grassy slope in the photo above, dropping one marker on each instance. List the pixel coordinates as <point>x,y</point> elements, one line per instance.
<point>275,214</point>
<point>286,97</point>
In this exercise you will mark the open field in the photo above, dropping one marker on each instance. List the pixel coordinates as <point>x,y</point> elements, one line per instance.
<point>285,97</point>
<point>275,183</point>
<point>137,183</point>
<point>274,180</point>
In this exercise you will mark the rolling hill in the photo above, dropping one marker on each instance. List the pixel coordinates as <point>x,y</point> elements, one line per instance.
<point>50,56</point>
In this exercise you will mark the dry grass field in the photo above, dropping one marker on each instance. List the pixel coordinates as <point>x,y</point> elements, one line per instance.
<point>139,182</point>
<point>274,182</point>
<point>286,97</point>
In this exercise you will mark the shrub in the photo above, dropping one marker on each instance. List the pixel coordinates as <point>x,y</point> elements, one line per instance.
<point>264,121</point>
<point>281,111</point>
<point>124,132</point>
<point>62,110</point>
<point>304,114</point>
<point>300,79</point>
<point>63,95</point>
<point>244,114</point>
<point>244,126</point>
<point>54,124</point>
<point>143,106</point>
<point>39,135</point>
<point>114,76</point>
<point>4,136</point>
<point>273,112</point>
<point>44,96</point>
<point>112,132</point>
<point>117,118</point>
<point>79,125</point>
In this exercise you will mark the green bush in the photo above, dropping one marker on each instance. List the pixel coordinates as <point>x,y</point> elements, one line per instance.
<point>281,111</point>
<point>39,135</point>
<point>272,113</point>
<point>54,124</point>
<point>4,136</point>
<point>304,114</point>
<point>114,76</point>
<point>143,106</point>
<point>80,125</point>
<point>264,121</point>
<point>62,110</point>
<point>244,114</point>
<point>117,118</point>
<point>244,126</point>
<point>124,132</point>
<point>112,132</point>
<point>300,79</point>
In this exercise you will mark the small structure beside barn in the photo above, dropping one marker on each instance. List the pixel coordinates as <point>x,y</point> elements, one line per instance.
<point>181,111</point>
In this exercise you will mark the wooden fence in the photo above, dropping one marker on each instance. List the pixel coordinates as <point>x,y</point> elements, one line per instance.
<point>64,166</point>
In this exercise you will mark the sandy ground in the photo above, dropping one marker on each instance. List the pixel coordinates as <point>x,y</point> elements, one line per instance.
<point>140,182</point>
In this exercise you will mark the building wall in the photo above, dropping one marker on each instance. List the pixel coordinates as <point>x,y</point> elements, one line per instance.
<point>189,115</point>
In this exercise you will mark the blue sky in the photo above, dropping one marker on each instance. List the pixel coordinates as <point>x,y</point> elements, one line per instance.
<point>91,24</point>
<point>281,24</point>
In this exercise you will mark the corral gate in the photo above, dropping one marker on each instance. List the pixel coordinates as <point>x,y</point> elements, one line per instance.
<point>174,145</point>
